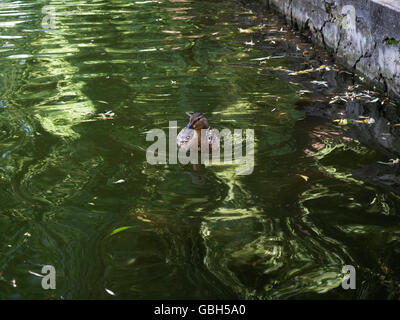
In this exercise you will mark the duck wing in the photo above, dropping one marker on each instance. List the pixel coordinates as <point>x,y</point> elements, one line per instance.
<point>187,138</point>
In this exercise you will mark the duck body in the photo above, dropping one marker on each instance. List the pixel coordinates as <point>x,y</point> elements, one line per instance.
<point>190,136</point>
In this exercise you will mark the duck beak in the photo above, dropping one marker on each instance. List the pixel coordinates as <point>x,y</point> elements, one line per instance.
<point>190,124</point>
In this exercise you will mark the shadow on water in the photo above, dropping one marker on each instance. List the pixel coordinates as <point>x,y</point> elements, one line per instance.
<point>78,193</point>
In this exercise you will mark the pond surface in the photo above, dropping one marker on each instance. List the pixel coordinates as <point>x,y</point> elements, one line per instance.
<point>77,192</point>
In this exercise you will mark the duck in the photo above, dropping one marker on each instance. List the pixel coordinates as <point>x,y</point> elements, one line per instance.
<point>190,136</point>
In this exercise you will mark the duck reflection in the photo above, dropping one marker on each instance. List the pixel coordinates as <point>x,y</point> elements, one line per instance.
<point>198,174</point>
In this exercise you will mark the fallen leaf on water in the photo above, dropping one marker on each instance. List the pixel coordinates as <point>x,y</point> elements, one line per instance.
<point>245,30</point>
<point>115,231</point>
<point>342,122</point>
<point>391,162</point>
<point>171,31</point>
<point>301,72</point>
<point>249,43</point>
<point>261,59</point>
<point>304,177</point>
<point>143,219</point>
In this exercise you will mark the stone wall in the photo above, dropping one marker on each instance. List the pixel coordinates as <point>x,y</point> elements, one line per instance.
<point>362,34</point>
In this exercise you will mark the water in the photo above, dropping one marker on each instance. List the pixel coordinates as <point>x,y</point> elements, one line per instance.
<point>284,232</point>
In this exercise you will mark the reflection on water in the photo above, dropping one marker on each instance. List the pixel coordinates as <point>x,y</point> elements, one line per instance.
<point>69,179</point>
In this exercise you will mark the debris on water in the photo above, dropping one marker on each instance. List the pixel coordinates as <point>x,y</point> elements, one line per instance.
<point>367,120</point>
<point>344,122</point>
<point>320,83</point>
<point>261,59</point>
<point>143,219</point>
<point>351,96</point>
<point>249,43</point>
<point>303,177</point>
<point>245,30</point>
<point>302,92</point>
<point>351,88</point>
<point>301,72</point>
<point>171,31</point>
<point>115,231</point>
<point>110,292</point>
<point>106,115</point>
<point>391,162</point>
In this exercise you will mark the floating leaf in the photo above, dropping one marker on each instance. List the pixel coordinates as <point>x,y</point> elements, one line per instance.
<point>171,31</point>
<point>143,219</point>
<point>391,162</point>
<point>119,230</point>
<point>245,30</point>
<point>249,43</point>
<point>301,72</point>
<point>304,177</point>
<point>342,122</point>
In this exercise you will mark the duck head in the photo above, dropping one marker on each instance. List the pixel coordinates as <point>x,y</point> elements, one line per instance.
<point>197,121</point>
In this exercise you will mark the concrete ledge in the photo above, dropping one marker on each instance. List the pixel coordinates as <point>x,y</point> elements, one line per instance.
<point>362,34</point>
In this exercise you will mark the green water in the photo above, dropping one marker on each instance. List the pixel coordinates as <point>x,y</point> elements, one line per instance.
<point>284,231</point>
